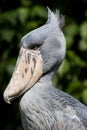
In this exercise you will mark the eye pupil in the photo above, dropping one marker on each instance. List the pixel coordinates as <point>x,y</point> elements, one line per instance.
<point>34,46</point>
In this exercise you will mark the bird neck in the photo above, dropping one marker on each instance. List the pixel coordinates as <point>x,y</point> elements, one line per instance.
<point>48,76</point>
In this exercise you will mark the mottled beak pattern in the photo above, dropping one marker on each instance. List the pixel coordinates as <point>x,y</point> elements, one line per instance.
<point>26,73</point>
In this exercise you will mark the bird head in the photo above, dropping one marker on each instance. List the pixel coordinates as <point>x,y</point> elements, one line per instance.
<point>42,50</point>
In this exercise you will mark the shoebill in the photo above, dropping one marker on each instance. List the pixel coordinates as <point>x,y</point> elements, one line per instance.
<point>42,106</point>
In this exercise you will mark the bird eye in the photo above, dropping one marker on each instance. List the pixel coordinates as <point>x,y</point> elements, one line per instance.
<point>34,46</point>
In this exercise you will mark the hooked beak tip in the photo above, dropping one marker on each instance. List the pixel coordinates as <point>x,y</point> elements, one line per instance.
<point>6,98</point>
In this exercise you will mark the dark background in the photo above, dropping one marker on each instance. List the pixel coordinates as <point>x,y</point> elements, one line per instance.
<point>17,17</point>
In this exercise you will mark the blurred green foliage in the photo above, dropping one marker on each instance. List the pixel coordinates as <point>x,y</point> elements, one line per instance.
<point>19,17</point>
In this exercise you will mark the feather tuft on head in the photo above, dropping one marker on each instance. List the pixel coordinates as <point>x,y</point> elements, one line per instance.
<point>57,17</point>
<point>60,18</point>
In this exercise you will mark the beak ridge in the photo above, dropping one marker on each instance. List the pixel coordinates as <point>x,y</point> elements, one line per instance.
<point>26,73</point>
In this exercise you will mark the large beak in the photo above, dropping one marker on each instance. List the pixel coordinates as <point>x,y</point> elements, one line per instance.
<point>27,71</point>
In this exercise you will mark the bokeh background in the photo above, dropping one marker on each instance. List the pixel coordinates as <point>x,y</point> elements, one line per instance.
<point>17,17</point>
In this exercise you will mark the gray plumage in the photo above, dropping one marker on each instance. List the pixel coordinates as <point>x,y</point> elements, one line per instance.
<point>44,107</point>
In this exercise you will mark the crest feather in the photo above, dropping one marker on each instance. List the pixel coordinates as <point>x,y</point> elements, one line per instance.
<point>56,17</point>
<point>60,18</point>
